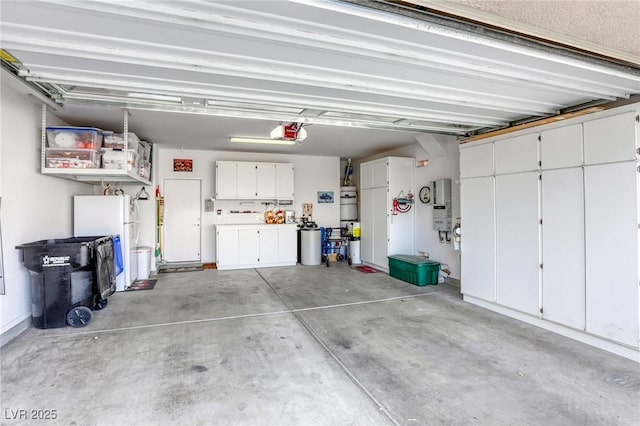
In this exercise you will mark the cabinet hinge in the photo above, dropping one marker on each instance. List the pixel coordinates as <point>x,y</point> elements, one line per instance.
<point>258,231</point>
<point>540,221</point>
<point>638,151</point>
<point>638,118</point>
<point>541,266</point>
<point>539,138</point>
<point>539,163</point>
<point>541,310</point>
<point>539,177</point>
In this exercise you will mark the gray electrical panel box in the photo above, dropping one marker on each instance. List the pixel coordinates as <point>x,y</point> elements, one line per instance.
<point>441,197</point>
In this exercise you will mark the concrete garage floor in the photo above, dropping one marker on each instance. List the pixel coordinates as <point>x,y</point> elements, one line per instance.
<point>310,346</point>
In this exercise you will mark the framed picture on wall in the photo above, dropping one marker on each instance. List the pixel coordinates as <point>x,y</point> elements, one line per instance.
<point>325,196</point>
<point>182,165</point>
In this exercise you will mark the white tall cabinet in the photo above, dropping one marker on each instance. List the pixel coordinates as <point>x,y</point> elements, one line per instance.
<point>550,227</point>
<point>477,207</point>
<point>384,233</point>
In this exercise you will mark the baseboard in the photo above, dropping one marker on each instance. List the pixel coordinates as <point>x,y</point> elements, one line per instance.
<point>15,331</point>
<point>452,281</point>
<point>607,345</point>
<point>378,267</point>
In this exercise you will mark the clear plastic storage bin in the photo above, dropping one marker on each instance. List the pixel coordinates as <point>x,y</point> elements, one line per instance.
<point>74,137</point>
<point>145,151</point>
<point>116,141</point>
<point>61,158</point>
<point>145,169</point>
<point>119,159</point>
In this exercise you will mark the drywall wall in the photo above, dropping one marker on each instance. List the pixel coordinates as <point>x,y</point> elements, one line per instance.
<point>426,238</point>
<point>34,206</point>
<point>312,174</point>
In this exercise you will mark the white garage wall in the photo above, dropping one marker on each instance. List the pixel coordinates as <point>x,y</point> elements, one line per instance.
<point>448,167</point>
<point>312,174</point>
<point>34,206</point>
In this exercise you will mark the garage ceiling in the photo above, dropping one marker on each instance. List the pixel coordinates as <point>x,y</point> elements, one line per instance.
<point>193,73</point>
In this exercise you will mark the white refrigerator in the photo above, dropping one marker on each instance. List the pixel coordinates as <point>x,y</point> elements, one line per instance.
<point>98,215</point>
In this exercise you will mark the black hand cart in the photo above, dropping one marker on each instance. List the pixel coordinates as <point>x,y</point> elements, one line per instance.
<point>335,242</point>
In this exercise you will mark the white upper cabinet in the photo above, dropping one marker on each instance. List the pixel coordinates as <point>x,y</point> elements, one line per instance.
<point>366,176</point>
<point>266,181</point>
<point>476,161</point>
<point>373,174</point>
<point>380,174</point>
<point>250,181</point>
<point>562,147</point>
<point>247,180</point>
<point>610,139</point>
<point>284,181</point>
<point>226,179</point>
<point>519,154</point>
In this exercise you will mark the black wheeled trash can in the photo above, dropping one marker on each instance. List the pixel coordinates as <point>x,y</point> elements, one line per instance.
<point>69,277</point>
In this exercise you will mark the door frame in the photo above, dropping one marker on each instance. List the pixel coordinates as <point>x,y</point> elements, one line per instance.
<point>164,181</point>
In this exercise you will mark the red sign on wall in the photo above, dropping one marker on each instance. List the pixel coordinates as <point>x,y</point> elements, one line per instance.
<point>182,165</point>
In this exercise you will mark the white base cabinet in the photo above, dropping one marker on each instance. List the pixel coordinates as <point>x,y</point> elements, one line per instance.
<point>551,227</point>
<point>255,246</point>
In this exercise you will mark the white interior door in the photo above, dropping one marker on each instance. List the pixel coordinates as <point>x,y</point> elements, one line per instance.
<point>182,213</point>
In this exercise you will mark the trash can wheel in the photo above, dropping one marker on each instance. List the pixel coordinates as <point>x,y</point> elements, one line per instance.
<point>327,261</point>
<point>79,316</point>
<point>349,261</point>
<point>101,304</point>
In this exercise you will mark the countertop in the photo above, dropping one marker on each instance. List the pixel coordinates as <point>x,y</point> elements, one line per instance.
<point>253,225</point>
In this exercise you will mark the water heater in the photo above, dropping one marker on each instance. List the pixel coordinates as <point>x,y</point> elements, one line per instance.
<point>441,196</point>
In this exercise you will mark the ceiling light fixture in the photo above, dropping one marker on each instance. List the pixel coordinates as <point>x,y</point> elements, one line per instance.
<point>263,141</point>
